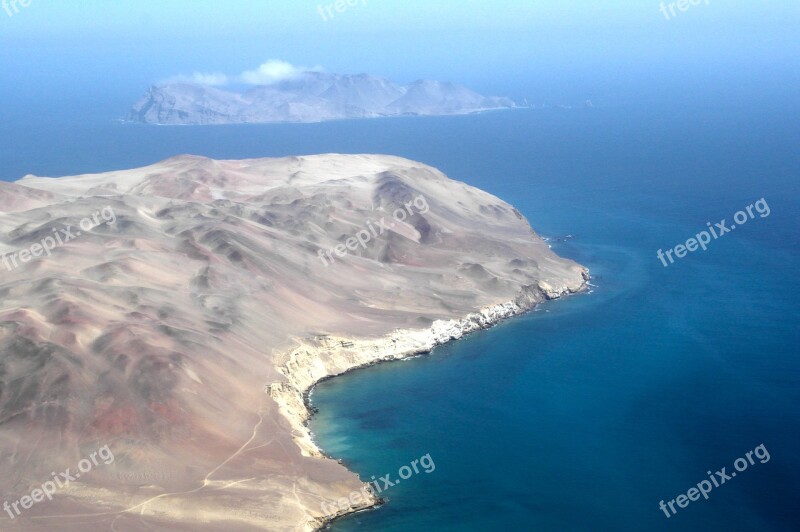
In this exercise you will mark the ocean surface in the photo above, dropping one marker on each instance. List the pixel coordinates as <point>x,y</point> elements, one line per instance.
<point>586,413</point>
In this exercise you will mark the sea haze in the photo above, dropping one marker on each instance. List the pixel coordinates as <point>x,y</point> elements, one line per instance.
<point>584,414</point>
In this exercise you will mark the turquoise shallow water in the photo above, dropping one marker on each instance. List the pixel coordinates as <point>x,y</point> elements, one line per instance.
<point>584,414</point>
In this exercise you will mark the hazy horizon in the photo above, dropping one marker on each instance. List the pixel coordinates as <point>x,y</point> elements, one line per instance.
<point>610,52</point>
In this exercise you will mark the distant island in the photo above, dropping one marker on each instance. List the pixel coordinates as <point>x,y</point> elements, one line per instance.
<point>309,97</point>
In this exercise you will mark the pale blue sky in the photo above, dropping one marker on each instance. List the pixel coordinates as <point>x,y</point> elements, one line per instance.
<point>530,48</point>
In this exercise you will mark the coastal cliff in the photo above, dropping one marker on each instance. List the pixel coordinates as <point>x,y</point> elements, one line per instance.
<point>321,358</point>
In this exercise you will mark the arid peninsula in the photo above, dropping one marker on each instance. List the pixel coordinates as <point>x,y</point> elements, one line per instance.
<point>177,313</point>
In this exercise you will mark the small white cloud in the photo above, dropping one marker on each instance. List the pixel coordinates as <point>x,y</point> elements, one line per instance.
<point>273,71</point>
<point>269,73</point>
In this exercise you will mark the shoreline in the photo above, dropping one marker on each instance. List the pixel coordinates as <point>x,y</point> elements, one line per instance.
<point>322,358</point>
<point>472,112</point>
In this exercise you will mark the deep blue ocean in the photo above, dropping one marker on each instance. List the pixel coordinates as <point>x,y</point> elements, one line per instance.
<point>586,413</point>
